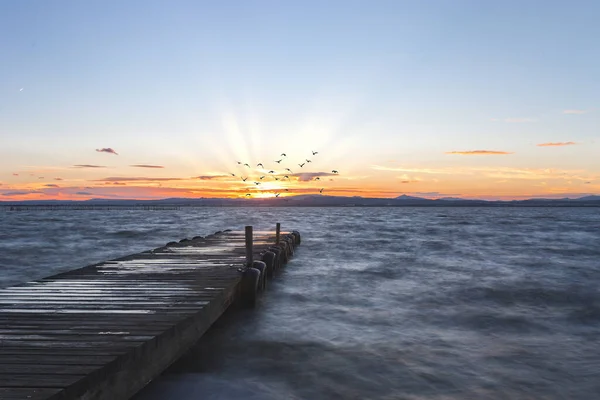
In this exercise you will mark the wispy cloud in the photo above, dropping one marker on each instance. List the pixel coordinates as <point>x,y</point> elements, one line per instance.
<point>83,193</point>
<point>519,120</point>
<point>309,176</point>
<point>479,152</point>
<point>107,150</point>
<point>211,177</point>
<point>23,193</point>
<point>115,183</point>
<point>15,174</point>
<point>574,111</point>
<point>135,178</point>
<point>58,179</point>
<point>88,166</point>
<point>556,144</point>
<point>51,185</point>
<point>146,166</point>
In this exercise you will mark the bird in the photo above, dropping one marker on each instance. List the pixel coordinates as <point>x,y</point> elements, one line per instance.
<point>232,174</point>
<point>247,165</point>
<point>315,153</point>
<point>335,171</point>
<point>317,179</point>
<point>286,177</point>
<point>321,191</point>
<point>244,179</point>
<point>239,162</point>
<point>277,194</point>
<point>248,194</point>
<point>286,190</point>
<point>307,160</point>
<point>262,177</point>
<point>278,161</point>
<point>260,165</point>
<point>276,179</point>
<point>301,165</point>
<point>271,172</point>
<point>283,155</point>
<point>257,183</point>
<point>290,171</point>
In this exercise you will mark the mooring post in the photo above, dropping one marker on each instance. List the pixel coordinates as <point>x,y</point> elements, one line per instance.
<point>277,233</point>
<point>249,246</point>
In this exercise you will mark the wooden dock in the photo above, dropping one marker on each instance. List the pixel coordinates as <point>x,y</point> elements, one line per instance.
<point>104,331</point>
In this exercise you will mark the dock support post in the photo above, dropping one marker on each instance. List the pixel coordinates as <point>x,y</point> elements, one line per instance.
<point>277,233</point>
<point>249,246</point>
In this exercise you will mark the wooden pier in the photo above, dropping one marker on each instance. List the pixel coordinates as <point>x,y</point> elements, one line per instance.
<point>104,331</point>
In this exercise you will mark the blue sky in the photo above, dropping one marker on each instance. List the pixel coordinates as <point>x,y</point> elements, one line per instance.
<point>192,86</point>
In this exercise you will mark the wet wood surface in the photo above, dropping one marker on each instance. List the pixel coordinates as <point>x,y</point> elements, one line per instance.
<point>103,331</point>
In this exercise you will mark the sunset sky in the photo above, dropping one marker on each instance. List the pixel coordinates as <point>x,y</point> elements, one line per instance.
<point>155,99</point>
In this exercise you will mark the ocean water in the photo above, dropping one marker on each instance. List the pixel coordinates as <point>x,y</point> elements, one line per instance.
<point>378,303</point>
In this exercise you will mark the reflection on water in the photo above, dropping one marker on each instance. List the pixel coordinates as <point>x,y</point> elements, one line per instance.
<point>401,303</point>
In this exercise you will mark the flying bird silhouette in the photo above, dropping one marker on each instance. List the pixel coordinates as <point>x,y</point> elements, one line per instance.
<point>335,171</point>
<point>271,172</point>
<point>260,165</point>
<point>232,174</point>
<point>276,179</point>
<point>321,191</point>
<point>286,190</point>
<point>301,165</point>
<point>283,155</point>
<point>244,179</point>
<point>317,179</point>
<point>247,165</point>
<point>277,194</point>
<point>290,171</point>
<point>286,177</point>
<point>262,177</point>
<point>239,162</point>
<point>278,161</point>
<point>307,160</point>
<point>257,183</point>
<point>315,153</point>
<point>248,194</point>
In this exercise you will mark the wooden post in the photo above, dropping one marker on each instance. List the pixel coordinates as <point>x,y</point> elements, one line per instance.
<point>249,246</point>
<point>277,232</point>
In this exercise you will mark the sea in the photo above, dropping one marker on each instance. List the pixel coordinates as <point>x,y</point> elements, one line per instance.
<point>378,303</point>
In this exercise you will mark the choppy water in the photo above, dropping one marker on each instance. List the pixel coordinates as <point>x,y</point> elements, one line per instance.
<point>378,303</point>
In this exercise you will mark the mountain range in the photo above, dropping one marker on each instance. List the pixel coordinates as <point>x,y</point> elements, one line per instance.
<point>321,201</point>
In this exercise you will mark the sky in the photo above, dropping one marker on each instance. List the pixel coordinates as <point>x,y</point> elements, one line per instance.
<point>158,99</point>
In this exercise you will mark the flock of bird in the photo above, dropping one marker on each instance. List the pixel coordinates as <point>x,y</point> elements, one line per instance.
<point>278,177</point>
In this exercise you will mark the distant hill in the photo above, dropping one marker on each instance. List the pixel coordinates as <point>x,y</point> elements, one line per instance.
<point>317,201</point>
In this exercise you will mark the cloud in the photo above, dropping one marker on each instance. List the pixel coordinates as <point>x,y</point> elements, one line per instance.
<point>518,120</point>
<point>146,166</point>
<point>556,144</point>
<point>20,193</point>
<point>211,177</point>
<point>574,111</point>
<point>135,178</point>
<point>309,176</point>
<point>51,185</point>
<point>478,152</point>
<point>115,183</point>
<point>83,193</point>
<point>40,177</point>
<point>15,174</point>
<point>88,166</point>
<point>58,179</point>
<point>107,150</point>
